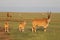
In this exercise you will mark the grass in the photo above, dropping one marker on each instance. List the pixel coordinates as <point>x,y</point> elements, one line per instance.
<point>53,31</point>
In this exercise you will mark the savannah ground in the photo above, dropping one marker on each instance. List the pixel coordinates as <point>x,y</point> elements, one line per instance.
<point>53,30</point>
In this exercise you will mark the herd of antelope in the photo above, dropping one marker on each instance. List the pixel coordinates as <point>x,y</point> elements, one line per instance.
<point>44,22</point>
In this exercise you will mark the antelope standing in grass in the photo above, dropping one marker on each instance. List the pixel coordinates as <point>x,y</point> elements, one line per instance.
<point>41,22</point>
<point>22,26</point>
<point>8,15</point>
<point>6,25</point>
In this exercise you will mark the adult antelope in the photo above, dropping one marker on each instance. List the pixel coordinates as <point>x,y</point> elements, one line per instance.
<point>41,22</point>
<point>22,26</point>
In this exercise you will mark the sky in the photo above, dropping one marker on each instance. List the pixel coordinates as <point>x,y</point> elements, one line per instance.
<point>29,5</point>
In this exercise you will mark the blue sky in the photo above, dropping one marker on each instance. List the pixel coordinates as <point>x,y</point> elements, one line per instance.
<point>29,5</point>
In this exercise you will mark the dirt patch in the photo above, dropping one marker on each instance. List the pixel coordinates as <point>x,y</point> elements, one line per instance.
<point>4,35</point>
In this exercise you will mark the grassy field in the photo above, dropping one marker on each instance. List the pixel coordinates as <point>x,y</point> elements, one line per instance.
<point>53,30</point>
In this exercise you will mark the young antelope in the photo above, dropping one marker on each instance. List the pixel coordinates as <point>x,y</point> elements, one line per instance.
<point>6,25</point>
<point>21,26</point>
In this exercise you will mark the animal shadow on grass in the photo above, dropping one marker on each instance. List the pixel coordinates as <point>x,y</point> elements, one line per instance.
<point>39,29</point>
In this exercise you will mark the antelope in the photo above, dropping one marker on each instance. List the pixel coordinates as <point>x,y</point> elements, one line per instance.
<point>22,26</point>
<point>44,22</point>
<point>6,25</point>
<point>8,15</point>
